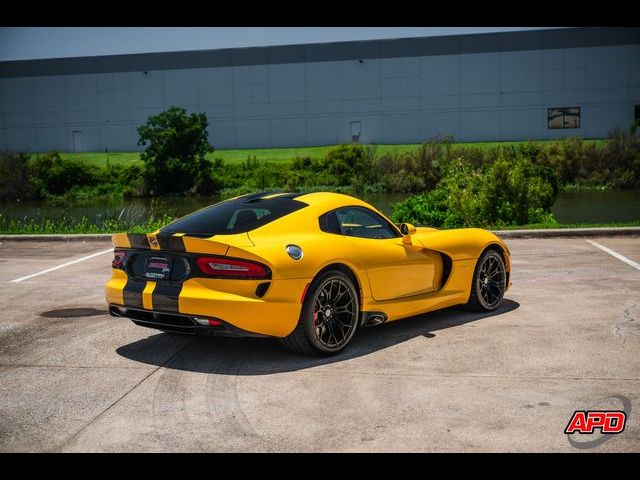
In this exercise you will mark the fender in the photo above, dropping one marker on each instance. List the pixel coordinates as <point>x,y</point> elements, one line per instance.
<point>458,244</point>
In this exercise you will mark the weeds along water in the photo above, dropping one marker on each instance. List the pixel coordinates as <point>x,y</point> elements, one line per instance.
<point>505,183</point>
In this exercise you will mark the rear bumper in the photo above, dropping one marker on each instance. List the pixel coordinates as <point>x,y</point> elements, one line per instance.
<point>234,302</point>
<point>177,323</point>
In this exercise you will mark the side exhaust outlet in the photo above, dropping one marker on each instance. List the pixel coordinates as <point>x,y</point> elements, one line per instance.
<point>375,318</point>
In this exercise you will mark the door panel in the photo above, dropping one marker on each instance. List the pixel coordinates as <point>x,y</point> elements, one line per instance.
<point>394,269</point>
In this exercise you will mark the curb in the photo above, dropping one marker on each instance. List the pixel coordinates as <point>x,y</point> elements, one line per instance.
<point>568,232</point>
<point>533,233</point>
<point>86,237</point>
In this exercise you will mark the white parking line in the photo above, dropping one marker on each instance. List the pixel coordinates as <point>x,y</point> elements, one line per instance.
<point>620,257</point>
<point>77,260</point>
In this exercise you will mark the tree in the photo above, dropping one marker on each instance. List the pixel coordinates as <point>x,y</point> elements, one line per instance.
<point>174,157</point>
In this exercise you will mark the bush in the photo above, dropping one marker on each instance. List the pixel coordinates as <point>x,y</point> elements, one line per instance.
<point>15,182</point>
<point>622,156</point>
<point>509,191</point>
<point>429,208</point>
<point>176,145</point>
<point>346,162</point>
<point>515,192</point>
<point>52,175</point>
<point>613,163</point>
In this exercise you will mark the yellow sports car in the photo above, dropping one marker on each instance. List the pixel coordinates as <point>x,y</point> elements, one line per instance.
<point>310,269</point>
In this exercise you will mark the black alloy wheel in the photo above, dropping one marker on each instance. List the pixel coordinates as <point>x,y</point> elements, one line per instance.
<point>329,317</point>
<point>489,282</point>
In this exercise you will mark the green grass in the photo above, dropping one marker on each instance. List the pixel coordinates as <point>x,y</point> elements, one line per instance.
<point>280,155</point>
<point>83,226</point>
<point>101,158</point>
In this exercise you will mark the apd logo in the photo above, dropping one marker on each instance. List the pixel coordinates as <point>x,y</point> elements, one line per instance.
<point>587,421</point>
<point>598,423</point>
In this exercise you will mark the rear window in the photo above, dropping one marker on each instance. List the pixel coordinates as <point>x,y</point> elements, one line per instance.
<point>234,216</point>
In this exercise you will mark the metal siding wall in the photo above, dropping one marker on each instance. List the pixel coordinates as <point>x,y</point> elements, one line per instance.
<point>215,86</point>
<point>634,66</point>
<point>20,138</point>
<point>50,137</point>
<point>474,97</point>
<point>181,88</point>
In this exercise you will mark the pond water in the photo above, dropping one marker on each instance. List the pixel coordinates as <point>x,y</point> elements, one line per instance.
<point>576,206</point>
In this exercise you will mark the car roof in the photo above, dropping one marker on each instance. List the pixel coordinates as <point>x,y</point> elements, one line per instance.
<point>312,198</point>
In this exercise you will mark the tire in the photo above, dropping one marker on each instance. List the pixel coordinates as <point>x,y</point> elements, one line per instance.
<point>322,328</point>
<point>489,282</point>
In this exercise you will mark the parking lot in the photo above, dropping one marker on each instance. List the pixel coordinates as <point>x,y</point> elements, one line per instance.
<point>567,338</point>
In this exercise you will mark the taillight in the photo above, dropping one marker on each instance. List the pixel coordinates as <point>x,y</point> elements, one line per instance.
<point>226,267</point>
<point>118,259</point>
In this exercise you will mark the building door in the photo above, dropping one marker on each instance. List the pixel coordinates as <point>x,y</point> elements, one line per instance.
<point>77,140</point>
<point>355,128</point>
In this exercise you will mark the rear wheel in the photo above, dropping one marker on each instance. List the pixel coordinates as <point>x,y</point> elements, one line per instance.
<point>329,316</point>
<point>489,282</point>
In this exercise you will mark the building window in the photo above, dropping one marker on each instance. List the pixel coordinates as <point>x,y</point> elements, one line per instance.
<point>637,115</point>
<point>563,117</point>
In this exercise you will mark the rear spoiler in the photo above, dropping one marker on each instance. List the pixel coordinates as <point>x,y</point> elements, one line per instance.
<point>173,243</point>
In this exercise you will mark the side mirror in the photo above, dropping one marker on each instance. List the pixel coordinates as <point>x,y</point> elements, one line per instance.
<point>407,229</point>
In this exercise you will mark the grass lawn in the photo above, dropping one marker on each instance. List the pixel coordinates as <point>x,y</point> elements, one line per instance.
<point>284,155</point>
<point>101,158</point>
<point>17,227</point>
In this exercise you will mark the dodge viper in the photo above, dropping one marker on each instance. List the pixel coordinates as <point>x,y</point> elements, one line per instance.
<point>310,269</point>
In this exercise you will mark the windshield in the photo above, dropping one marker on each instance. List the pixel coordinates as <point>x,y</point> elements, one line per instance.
<point>235,216</point>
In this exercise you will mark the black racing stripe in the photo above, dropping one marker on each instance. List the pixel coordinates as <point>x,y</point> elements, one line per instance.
<point>138,240</point>
<point>132,294</point>
<point>171,243</point>
<point>165,297</point>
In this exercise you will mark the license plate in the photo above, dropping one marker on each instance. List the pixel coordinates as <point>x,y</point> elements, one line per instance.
<point>158,268</point>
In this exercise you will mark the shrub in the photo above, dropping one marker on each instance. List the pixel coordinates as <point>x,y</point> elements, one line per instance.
<point>622,156</point>
<point>53,175</point>
<point>429,208</point>
<point>345,162</point>
<point>176,145</point>
<point>509,191</point>
<point>15,182</point>
<point>514,192</point>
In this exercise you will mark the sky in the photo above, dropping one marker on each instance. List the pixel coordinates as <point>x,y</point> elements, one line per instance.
<point>23,43</point>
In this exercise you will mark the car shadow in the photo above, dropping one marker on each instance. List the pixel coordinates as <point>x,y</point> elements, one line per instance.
<point>264,356</point>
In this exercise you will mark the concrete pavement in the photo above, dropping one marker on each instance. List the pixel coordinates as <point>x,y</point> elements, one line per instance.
<point>567,337</point>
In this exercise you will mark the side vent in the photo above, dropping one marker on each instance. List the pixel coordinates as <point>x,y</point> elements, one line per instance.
<point>446,269</point>
<point>262,289</point>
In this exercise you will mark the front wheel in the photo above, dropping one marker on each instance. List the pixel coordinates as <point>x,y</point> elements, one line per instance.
<point>489,282</point>
<point>329,316</point>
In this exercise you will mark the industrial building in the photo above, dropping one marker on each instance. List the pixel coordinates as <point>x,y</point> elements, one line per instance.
<point>523,85</point>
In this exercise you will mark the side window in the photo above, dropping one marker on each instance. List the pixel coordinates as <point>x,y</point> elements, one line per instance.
<point>329,223</point>
<point>363,223</point>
